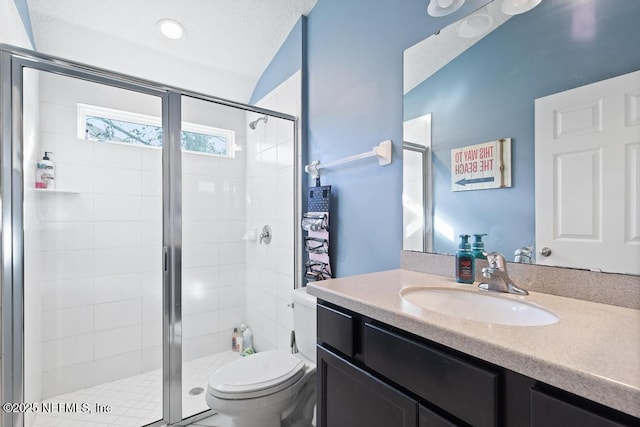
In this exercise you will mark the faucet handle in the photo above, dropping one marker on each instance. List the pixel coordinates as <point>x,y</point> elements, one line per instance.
<point>497,260</point>
<point>487,272</point>
<point>265,235</point>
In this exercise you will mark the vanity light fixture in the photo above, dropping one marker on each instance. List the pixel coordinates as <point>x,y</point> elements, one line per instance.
<point>516,7</point>
<point>439,8</point>
<point>171,28</point>
<point>476,24</point>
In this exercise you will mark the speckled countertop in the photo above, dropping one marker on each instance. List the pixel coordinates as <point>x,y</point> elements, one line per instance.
<point>593,351</point>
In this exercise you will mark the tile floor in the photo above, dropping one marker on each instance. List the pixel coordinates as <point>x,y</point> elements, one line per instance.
<point>213,421</point>
<point>137,400</point>
<point>218,420</point>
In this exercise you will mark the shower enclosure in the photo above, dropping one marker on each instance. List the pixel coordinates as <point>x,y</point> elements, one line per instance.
<point>124,276</point>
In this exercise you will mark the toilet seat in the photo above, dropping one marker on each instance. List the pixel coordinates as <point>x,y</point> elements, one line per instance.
<point>257,375</point>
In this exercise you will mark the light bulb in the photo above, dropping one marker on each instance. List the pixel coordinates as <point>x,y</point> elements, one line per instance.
<point>171,29</point>
<point>443,7</point>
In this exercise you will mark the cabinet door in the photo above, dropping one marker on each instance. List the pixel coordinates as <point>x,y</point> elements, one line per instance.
<point>428,418</point>
<point>349,396</point>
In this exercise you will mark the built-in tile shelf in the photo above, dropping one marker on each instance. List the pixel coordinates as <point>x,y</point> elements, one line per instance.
<point>47,190</point>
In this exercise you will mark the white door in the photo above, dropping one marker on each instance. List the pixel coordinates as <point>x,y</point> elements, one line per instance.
<point>587,166</point>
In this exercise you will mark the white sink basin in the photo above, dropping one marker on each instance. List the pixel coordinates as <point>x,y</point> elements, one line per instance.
<point>483,307</point>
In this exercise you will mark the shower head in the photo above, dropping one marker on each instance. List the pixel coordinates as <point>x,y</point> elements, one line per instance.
<point>254,123</point>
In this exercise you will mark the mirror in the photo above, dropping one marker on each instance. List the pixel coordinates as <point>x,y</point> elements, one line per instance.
<point>482,89</point>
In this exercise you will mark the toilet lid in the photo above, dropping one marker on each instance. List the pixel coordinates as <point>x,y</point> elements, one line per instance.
<point>256,375</point>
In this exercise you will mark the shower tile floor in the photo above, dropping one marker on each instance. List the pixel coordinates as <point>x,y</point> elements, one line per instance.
<point>137,400</point>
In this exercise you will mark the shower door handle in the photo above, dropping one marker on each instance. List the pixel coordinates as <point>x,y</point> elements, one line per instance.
<point>165,259</point>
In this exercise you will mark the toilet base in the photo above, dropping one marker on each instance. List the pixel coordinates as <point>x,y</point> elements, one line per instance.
<point>292,406</point>
<point>303,413</point>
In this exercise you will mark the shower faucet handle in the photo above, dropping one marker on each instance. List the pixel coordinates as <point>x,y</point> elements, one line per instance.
<point>265,235</point>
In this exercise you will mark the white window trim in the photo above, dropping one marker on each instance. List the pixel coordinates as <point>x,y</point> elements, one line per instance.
<point>85,110</point>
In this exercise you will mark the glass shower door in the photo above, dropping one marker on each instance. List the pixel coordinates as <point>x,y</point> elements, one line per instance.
<point>131,217</point>
<point>93,273</point>
<point>213,257</point>
<point>237,178</point>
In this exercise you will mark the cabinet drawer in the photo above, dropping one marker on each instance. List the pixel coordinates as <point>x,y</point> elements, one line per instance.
<point>549,411</point>
<point>462,389</point>
<point>336,329</point>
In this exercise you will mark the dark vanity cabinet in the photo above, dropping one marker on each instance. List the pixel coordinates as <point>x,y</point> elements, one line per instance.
<point>371,374</point>
<point>354,397</point>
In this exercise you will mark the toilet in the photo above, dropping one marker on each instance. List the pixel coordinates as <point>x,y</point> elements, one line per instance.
<point>272,388</point>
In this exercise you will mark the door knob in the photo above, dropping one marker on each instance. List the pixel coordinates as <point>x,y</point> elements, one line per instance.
<point>545,251</point>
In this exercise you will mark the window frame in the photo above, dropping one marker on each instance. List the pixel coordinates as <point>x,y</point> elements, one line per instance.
<point>86,110</point>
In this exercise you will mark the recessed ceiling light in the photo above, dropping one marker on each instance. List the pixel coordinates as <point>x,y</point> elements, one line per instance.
<point>476,24</point>
<point>443,7</point>
<point>171,29</point>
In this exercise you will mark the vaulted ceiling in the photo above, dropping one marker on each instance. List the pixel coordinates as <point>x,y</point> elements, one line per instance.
<point>228,43</point>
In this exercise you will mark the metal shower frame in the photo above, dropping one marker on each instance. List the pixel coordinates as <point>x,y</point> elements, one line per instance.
<point>13,61</point>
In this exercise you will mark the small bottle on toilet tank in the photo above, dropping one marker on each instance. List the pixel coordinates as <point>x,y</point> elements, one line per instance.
<point>247,338</point>
<point>236,341</point>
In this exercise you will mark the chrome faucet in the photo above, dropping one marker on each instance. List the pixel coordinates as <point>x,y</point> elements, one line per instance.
<point>265,235</point>
<point>498,278</point>
<point>524,255</point>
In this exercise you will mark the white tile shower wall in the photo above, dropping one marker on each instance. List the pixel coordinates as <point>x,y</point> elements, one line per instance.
<point>213,259</point>
<point>94,257</point>
<point>101,278</point>
<point>270,190</point>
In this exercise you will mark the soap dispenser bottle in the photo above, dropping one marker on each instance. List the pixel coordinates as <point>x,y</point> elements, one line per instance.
<point>45,172</point>
<point>477,248</point>
<point>465,262</point>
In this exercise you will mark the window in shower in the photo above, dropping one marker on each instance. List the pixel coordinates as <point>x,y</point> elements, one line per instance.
<point>125,127</point>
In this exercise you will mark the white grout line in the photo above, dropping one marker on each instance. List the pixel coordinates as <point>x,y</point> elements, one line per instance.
<point>135,400</point>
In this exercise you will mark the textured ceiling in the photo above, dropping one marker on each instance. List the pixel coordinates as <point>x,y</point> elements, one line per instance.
<point>231,42</point>
<point>428,56</point>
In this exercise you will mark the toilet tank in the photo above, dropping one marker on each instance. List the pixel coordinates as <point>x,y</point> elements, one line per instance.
<point>304,322</point>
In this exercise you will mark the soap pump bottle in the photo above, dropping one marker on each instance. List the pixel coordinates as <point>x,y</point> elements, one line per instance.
<point>465,262</point>
<point>477,248</point>
<point>45,172</point>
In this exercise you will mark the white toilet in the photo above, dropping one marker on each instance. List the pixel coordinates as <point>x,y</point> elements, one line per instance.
<point>272,388</point>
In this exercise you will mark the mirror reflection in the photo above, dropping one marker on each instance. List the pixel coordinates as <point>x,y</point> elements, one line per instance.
<point>484,88</point>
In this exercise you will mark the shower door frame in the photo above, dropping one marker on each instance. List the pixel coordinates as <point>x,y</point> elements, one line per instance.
<point>427,203</point>
<point>13,61</point>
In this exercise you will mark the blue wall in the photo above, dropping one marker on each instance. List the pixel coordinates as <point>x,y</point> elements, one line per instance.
<point>284,64</point>
<point>355,53</point>
<point>23,10</point>
<point>530,56</point>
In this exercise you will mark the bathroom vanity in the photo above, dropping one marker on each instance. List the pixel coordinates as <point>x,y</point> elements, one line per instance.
<point>385,362</point>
